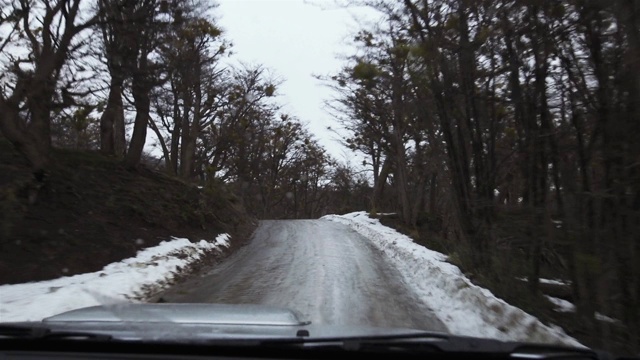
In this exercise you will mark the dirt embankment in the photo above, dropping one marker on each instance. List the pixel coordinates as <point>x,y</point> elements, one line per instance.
<point>91,211</point>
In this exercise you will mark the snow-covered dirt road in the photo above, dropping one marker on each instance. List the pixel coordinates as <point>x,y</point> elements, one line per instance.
<point>323,269</point>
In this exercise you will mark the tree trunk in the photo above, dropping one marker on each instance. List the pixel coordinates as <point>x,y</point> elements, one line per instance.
<point>139,137</point>
<point>418,198</point>
<point>432,194</point>
<point>378,189</point>
<point>119,127</point>
<point>185,136</point>
<point>172,166</point>
<point>113,113</point>
<point>398,151</point>
<point>189,145</point>
<point>163,144</point>
<point>539,162</point>
<point>402,185</point>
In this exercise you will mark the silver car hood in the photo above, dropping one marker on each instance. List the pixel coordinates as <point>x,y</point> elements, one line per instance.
<point>201,322</point>
<point>249,326</point>
<point>211,314</point>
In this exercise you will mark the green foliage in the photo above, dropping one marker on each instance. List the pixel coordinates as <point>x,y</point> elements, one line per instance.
<point>401,51</point>
<point>590,264</point>
<point>199,28</point>
<point>207,27</point>
<point>510,133</point>
<point>483,34</point>
<point>270,90</point>
<point>365,71</point>
<point>365,37</point>
<point>77,129</point>
<point>452,23</point>
<point>417,51</point>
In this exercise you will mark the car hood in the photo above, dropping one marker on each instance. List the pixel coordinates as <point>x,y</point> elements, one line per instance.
<point>194,322</point>
<point>253,326</point>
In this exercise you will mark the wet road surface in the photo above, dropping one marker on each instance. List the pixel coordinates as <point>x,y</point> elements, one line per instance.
<point>324,270</point>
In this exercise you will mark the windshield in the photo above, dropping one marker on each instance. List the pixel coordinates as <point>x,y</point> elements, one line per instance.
<point>460,167</point>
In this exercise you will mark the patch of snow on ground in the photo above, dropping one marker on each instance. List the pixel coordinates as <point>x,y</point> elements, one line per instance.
<point>123,281</point>
<point>466,309</point>
<point>555,282</point>
<point>550,281</point>
<point>605,318</point>
<point>561,305</point>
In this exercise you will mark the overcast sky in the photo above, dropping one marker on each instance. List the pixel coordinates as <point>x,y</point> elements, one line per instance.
<point>295,39</point>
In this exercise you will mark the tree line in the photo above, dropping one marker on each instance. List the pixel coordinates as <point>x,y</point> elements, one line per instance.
<point>106,75</point>
<point>511,124</point>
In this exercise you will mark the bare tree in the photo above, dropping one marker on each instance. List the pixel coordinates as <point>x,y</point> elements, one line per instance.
<point>49,31</point>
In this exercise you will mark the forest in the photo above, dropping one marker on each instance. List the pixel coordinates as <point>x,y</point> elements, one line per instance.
<point>502,132</point>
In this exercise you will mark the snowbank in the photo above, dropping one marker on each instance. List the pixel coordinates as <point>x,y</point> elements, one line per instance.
<point>557,282</point>
<point>561,305</point>
<point>466,309</point>
<point>152,269</point>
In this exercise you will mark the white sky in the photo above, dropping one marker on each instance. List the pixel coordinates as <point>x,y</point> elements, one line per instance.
<point>295,39</point>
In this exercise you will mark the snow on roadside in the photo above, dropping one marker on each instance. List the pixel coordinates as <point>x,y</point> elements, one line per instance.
<point>558,282</point>
<point>466,309</point>
<point>605,318</point>
<point>561,305</point>
<point>555,282</point>
<point>152,268</point>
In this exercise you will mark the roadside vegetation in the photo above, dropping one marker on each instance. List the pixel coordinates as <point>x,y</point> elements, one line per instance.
<point>504,133</point>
